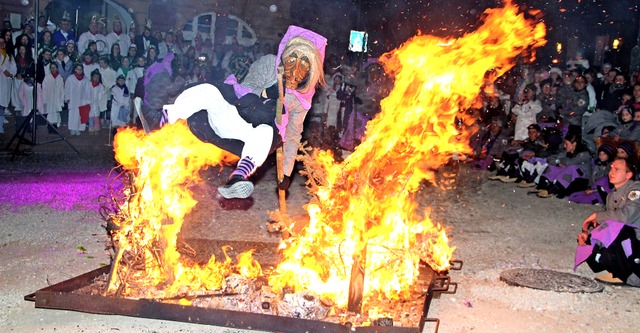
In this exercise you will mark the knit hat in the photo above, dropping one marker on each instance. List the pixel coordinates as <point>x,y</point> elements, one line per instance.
<point>555,70</point>
<point>628,148</point>
<point>607,149</point>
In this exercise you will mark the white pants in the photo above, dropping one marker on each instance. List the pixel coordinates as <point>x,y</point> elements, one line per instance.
<point>224,120</point>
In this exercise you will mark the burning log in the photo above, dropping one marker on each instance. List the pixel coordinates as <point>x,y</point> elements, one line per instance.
<point>356,283</point>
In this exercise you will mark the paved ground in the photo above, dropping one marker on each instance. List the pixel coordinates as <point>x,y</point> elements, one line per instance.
<point>48,211</point>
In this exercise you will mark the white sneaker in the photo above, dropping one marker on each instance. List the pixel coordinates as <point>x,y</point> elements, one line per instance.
<point>236,188</point>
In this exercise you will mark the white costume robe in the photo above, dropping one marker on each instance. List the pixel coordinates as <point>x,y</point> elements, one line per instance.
<point>6,64</point>
<point>123,40</point>
<point>118,100</point>
<point>78,93</point>
<point>108,80</point>
<point>88,68</point>
<point>97,98</point>
<point>101,42</point>
<point>132,78</point>
<point>15,101</point>
<point>25,95</point>
<point>526,116</point>
<point>53,93</point>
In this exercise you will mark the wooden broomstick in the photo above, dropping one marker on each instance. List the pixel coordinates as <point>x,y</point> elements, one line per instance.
<point>283,223</point>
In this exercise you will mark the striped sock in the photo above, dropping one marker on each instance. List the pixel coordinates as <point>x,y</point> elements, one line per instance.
<point>245,167</point>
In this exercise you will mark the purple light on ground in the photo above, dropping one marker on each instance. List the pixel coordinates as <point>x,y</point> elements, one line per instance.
<point>73,190</point>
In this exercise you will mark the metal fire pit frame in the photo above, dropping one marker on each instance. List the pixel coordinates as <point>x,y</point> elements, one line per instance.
<point>61,296</point>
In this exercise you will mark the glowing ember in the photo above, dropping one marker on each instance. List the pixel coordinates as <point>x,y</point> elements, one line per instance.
<point>165,163</point>
<point>366,208</point>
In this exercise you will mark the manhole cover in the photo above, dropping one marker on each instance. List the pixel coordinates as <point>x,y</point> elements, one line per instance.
<point>545,279</point>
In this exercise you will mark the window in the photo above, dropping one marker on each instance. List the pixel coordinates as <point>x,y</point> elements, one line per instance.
<point>205,24</point>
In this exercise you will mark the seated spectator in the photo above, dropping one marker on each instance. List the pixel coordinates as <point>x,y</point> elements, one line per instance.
<point>634,101</point>
<point>566,172</point>
<point>555,75</point>
<point>492,111</point>
<point>576,103</point>
<point>632,131</point>
<point>613,244</point>
<point>600,187</point>
<point>612,96</point>
<point>624,121</point>
<point>599,124</point>
<point>509,166</point>
<point>548,115</point>
<point>626,150</point>
<point>488,145</point>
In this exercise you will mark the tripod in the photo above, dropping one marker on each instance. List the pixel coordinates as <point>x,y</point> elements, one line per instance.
<point>34,114</point>
<point>30,124</point>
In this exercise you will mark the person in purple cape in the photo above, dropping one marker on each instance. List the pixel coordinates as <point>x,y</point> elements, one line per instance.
<point>600,186</point>
<point>613,245</point>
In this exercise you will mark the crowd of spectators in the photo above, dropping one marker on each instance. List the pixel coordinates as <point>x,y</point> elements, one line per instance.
<point>86,80</point>
<point>556,129</point>
<point>553,128</point>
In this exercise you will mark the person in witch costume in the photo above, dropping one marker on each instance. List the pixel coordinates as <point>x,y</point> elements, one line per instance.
<point>240,118</point>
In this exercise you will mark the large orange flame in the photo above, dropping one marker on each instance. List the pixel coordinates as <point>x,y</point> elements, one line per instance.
<point>165,163</point>
<point>365,212</point>
<point>364,218</point>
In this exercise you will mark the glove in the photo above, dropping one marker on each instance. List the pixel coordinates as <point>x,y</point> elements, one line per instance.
<point>284,184</point>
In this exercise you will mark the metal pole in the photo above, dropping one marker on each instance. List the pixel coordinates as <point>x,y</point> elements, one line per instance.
<point>34,109</point>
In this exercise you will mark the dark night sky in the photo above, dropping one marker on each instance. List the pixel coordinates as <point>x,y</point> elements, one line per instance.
<point>393,22</point>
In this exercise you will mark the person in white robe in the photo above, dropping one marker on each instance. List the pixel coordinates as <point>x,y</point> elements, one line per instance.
<point>53,93</point>
<point>77,93</point>
<point>93,35</point>
<point>118,36</point>
<point>8,70</point>
<point>98,98</point>
<point>120,110</point>
<point>134,74</point>
<point>108,76</point>
<point>25,95</point>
